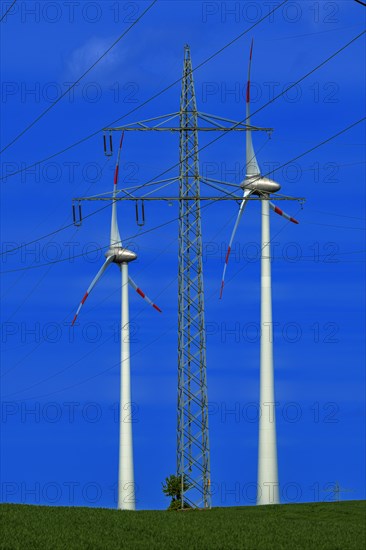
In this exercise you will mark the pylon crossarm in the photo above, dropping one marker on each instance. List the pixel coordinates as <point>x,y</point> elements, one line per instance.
<point>215,121</point>
<point>235,126</point>
<point>143,123</point>
<point>213,198</point>
<point>230,121</point>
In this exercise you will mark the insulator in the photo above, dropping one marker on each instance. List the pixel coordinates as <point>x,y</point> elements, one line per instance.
<point>108,152</point>
<point>140,213</point>
<point>76,215</point>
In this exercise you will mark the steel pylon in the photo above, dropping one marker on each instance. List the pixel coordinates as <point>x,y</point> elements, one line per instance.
<point>193,453</point>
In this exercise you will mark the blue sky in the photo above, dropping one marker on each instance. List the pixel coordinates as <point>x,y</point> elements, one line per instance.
<point>66,451</point>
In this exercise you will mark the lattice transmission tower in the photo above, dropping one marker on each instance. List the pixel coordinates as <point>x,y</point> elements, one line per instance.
<point>193,452</point>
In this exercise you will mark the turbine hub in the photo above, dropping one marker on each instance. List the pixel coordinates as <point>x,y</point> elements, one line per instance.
<point>260,183</point>
<point>122,255</point>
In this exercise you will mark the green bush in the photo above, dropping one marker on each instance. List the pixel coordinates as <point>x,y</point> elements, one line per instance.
<point>173,488</point>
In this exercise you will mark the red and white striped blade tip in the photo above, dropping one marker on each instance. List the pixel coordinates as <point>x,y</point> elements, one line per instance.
<point>79,308</point>
<point>282,213</point>
<point>223,277</point>
<point>146,298</point>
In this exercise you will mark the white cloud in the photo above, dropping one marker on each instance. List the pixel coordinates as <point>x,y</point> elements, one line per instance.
<point>82,58</point>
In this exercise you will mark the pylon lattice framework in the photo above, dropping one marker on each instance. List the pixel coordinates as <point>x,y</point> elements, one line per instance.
<point>193,456</point>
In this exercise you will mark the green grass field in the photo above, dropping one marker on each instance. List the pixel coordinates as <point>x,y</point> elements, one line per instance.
<point>317,526</point>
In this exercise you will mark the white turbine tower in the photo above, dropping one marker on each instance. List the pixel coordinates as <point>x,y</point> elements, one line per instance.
<point>255,184</point>
<point>122,257</point>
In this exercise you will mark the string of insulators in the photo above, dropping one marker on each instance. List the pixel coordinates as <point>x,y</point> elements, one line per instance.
<point>140,213</point>
<point>108,144</point>
<point>77,214</point>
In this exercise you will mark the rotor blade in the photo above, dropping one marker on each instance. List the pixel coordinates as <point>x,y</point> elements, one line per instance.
<point>115,236</point>
<point>252,168</point>
<point>143,295</point>
<point>243,204</point>
<point>282,213</point>
<point>92,285</point>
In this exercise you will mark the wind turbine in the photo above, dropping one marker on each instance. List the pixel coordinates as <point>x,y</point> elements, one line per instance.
<point>122,257</point>
<point>256,184</point>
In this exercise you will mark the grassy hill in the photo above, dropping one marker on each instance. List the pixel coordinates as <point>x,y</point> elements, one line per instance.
<point>317,526</point>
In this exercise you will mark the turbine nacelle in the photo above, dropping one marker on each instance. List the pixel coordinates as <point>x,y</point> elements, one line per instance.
<point>259,183</point>
<point>120,255</point>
